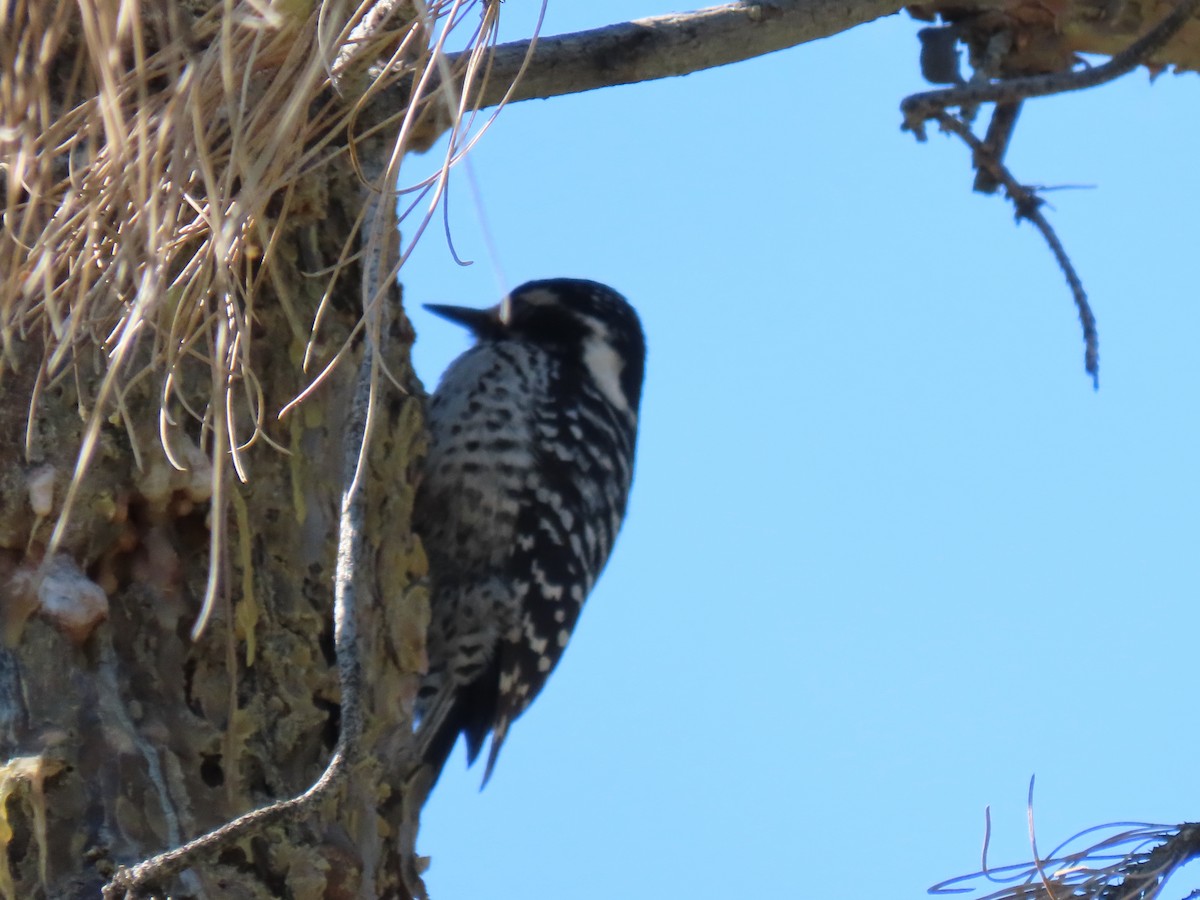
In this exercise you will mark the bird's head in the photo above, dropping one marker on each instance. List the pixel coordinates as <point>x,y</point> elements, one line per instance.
<point>578,320</point>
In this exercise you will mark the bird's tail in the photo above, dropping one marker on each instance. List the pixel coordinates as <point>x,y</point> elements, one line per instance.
<point>435,739</point>
<point>468,710</point>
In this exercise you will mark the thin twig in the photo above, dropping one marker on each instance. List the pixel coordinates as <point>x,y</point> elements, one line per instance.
<point>918,108</point>
<point>999,133</point>
<point>1028,206</point>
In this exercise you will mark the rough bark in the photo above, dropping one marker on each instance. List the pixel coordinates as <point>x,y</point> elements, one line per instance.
<point>124,737</point>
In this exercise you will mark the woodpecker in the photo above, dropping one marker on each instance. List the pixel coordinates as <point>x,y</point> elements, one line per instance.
<point>532,435</point>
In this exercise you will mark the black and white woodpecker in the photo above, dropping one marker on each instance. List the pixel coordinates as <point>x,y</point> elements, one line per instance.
<point>532,435</point>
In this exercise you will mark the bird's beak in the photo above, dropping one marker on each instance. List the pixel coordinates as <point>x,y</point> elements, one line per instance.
<point>479,321</point>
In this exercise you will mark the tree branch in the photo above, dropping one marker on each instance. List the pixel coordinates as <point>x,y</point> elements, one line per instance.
<point>646,50</point>
<point>675,44</point>
<point>1028,206</point>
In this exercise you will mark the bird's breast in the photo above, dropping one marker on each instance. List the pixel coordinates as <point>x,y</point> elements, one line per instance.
<point>481,456</point>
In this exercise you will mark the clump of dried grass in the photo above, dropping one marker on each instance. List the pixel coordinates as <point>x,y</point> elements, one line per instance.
<point>149,152</point>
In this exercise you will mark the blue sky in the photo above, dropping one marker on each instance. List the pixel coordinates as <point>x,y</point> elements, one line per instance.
<point>888,554</point>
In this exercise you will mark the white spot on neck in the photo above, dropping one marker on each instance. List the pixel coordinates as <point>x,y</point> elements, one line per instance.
<point>605,365</point>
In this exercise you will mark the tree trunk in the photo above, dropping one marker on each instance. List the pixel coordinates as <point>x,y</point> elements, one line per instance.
<point>123,736</point>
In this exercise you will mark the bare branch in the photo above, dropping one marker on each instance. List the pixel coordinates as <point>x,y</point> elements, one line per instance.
<point>651,48</point>
<point>675,44</point>
<point>1028,206</point>
<point>999,133</point>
